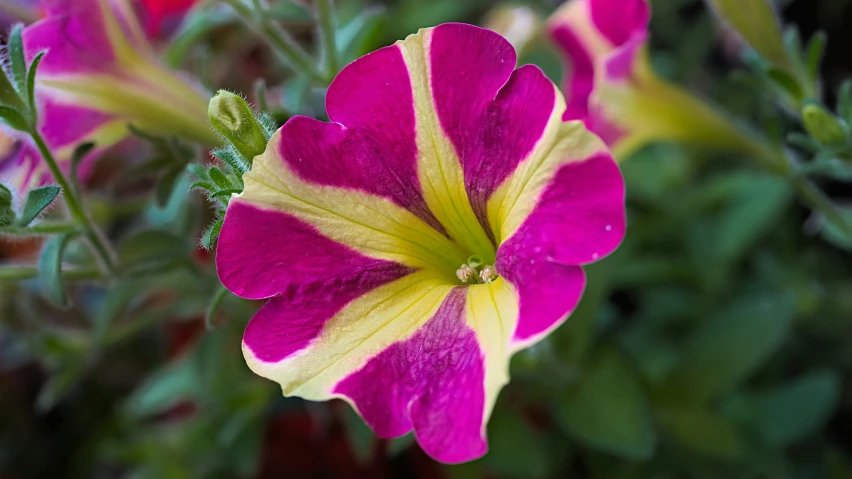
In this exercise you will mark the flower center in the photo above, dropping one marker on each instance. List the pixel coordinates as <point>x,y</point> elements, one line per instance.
<point>476,272</point>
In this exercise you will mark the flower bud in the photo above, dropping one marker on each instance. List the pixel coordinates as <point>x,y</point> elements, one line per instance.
<point>822,125</point>
<point>231,116</point>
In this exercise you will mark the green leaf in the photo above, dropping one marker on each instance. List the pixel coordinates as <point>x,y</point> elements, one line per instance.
<point>816,50</point>
<point>704,432</point>
<point>152,250</point>
<point>743,208</point>
<point>362,441</point>
<point>791,411</point>
<point>220,179</point>
<point>199,171</point>
<point>50,270</point>
<point>804,142</point>
<point>164,389</point>
<point>7,214</point>
<point>166,185</point>
<point>211,235</point>
<point>398,445</point>
<point>514,450</point>
<point>731,346</point>
<point>13,118</point>
<point>787,83</point>
<point>31,79</point>
<point>210,317</point>
<point>202,185</point>
<point>77,157</point>
<point>757,23</point>
<point>17,63</point>
<point>231,159</point>
<point>60,384</point>
<point>37,200</point>
<point>608,410</point>
<point>222,193</point>
<point>844,102</point>
<point>835,234</point>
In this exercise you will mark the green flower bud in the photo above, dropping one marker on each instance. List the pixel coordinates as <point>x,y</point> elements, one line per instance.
<point>822,125</point>
<point>231,116</point>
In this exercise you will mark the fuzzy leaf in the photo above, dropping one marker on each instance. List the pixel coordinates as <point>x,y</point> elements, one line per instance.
<point>37,200</point>
<point>50,270</point>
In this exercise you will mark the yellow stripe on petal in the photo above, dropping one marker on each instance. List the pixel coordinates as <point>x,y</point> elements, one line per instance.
<point>372,225</point>
<point>361,330</point>
<point>439,169</point>
<point>492,311</point>
<point>561,143</point>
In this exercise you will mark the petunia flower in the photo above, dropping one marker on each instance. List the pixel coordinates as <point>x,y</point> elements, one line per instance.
<point>611,86</point>
<point>99,75</point>
<point>437,226</point>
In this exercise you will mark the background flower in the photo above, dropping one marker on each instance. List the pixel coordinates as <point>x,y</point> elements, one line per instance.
<point>100,74</point>
<point>611,86</point>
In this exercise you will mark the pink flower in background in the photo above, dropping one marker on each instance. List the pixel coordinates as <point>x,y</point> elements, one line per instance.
<point>610,86</point>
<point>159,12</point>
<point>99,75</point>
<point>437,226</point>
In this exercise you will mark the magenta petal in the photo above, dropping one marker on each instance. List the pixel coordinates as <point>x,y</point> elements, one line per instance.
<point>264,253</point>
<point>74,36</point>
<point>618,20</point>
<point>433,382</point>
<point>547,291</point>
<point>64,124</point>
<point>494,115</point>
<point>580,80</point>
<point>579,219</point>
<point>504,134</point>
<point>372,145</point>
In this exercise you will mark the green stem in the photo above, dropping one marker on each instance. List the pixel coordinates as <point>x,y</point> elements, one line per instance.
<point>23,273</point>
<point>43,228</point>
<point>327,30</point>
<point>99,244</point>
<point>293,55</point>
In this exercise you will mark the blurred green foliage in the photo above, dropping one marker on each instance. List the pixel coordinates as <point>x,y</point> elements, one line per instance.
<point>717,342</point>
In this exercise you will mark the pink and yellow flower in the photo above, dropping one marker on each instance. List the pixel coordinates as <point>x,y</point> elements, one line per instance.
<point>99,75</point>
<point>611,87</point>
<point>434,228</point>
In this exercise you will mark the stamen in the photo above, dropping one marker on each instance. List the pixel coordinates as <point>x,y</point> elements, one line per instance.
<point>488,274</point>
<point>469,273</point>
<point>466,273</point>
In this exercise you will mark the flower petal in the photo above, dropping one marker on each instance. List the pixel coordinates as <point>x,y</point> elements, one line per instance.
<point>484,61</point>
<point>83,36</point>
<point>372,225</point>
<point>364,327</point>
<point>583,206</point>
<point>443,380</point>
<point>372,98</point>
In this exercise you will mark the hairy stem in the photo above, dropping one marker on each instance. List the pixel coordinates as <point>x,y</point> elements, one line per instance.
<point>101,248</point>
